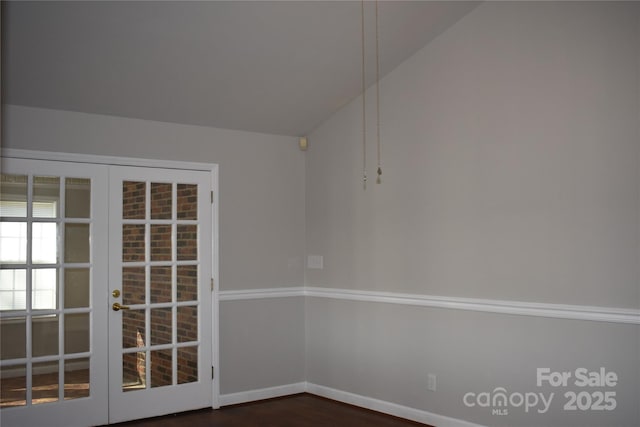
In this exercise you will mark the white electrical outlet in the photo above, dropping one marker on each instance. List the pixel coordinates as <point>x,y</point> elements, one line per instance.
<point>431,382</point>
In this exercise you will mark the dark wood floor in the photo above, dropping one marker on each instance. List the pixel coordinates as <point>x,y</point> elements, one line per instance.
<point>300,410</point>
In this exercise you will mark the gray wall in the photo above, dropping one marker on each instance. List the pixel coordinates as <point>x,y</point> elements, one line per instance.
<point>261,213</point>
<point>511,160</point>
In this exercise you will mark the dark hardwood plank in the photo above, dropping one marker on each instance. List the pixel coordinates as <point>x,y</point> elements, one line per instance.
<point>300,410</point>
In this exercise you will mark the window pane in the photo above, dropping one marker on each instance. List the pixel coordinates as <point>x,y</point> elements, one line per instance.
<point>187,282</point>
<point>44,243</point>
<point>45,335</point>
<point>133,329</point>
<point>46,196</point>
<point>161,326</point>
<point>187,238</point>
<point>14,386</point>
<point>187,201</point>
<point>76,333</point>
<point>77,198</point>
<point>133,200</point>
<point>44,289</point>
<point>13,338</point>
<point>160,242</point>
<point>187,365</point>
<point>161,199</point>
<point>45,382</point>
<point>133,242</point>
<point>76,243</point>
<point>187,324</point>
<point>13,192</point>
<point>160,284</point>
<point>133,285</point>
<point>161,368</point>
<point>13,242</point>
<point>134,371</point>
<point>76,379</point>
<point>76,287</point>
<point>13,289</point>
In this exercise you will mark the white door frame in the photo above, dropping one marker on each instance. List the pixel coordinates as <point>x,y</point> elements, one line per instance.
<point>212,168</point>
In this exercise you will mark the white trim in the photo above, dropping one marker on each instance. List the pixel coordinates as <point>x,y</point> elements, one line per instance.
<point>520,308</point>
<point>389,408</point>
<point>263,393</point>
<point>250,294</point>
<point>377,405</point>
<point>105,160</point>
<point>558,311</point>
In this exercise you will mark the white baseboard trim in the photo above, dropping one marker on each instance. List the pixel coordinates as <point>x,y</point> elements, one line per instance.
<point>261,394</point>
<point>388,407</point>
<point>346,397</point>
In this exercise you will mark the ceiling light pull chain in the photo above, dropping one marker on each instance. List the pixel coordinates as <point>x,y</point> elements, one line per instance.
<point>379,178</point>
<point>364,122</point>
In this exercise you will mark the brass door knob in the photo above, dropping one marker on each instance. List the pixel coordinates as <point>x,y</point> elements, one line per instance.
<point>117,307</point>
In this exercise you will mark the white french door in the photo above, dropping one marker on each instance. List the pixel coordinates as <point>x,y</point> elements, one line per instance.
<point>159,292</point>
<point>105,302</point>
<point>53,243</point>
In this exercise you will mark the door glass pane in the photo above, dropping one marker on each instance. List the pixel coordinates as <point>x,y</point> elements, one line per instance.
<point>76,287</point>
<point>44,289</point>
<point>160,284</point>
<point>160,242</point>
<point>45,384</point>
<point>161,368</point>
<point>13,196</point>
<point>76,243</point>
<point>76,333</point>
<point>133,247</point>
<point>133,200</point>
<point>187,323</point>
<point>76,378</point>
<point>13,242</point>
<point>133,329</point>
<point>187,282</point>
<point>187,242</point>
<point>46,196</point>
<point>187,365</point>
<point>187,201</point>
<point>13,333</point>
<point>160,326</point>
<point>133,289</point>
<point>13,386</point>
<point>13,289</point>
<point>161,199</point>
<point>77,198</point>
<point>133,371</point>
<point>45,243</point>
<point>45,335</point>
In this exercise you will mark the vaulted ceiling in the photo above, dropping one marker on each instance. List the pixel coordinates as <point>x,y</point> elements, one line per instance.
<point>278,67</point>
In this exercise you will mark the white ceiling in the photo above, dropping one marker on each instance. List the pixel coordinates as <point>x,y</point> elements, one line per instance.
<point>264,66</point>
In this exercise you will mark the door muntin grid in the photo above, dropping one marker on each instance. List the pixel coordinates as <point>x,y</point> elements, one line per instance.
<point>45,287</point>
<point>160,276</point>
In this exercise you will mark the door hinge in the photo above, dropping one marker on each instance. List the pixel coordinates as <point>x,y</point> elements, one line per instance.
<point>213,284</point>
<point>211,196</point>
<point>213,371</point>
